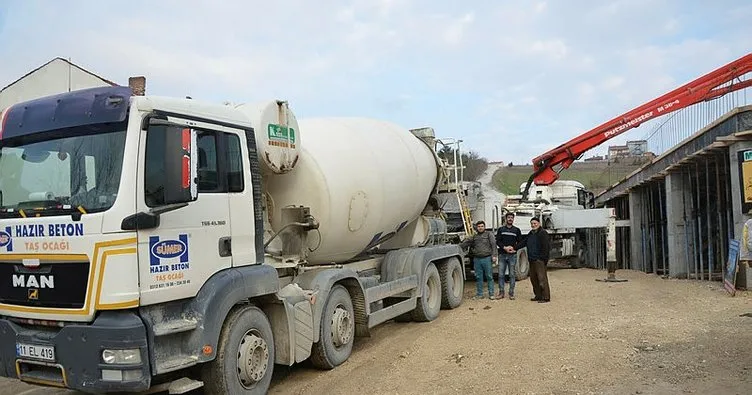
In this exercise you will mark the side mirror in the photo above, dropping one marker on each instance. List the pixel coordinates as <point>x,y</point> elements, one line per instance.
<point>181,166</point>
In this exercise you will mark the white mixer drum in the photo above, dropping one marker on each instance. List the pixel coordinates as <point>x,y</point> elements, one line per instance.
<point>277,135</point>
<point>362,178</point>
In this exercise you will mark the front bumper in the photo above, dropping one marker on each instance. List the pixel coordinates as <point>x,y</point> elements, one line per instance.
<point>78,362</point>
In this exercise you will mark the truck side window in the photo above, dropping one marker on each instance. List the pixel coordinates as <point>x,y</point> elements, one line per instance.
<point>220,163</point>
<point>234,163</point>
<point>208,173</point>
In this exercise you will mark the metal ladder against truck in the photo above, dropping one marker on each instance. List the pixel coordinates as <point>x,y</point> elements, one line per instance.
<point>455,176</point>
<point>453,189</point>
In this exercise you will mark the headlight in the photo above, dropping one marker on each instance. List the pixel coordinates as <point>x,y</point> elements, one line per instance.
<point>131,356</point>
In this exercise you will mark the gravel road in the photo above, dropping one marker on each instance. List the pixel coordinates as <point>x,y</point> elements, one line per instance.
<point>644,336</point>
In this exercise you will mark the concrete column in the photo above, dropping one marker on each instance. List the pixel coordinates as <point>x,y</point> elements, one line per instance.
<point>635,233</point>
<point>675,226</point>
<point>744,278</point>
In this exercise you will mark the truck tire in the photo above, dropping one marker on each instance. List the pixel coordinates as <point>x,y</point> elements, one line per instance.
<point>429,303</point>
<point>245,354</point>
<point>337,330</point>
<point>523,265</point>
<point>452,284</point>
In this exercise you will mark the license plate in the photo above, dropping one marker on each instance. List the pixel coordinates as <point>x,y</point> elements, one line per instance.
<point>35,351</point>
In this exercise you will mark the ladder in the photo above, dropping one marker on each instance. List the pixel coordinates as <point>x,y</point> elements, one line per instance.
<point>452,182</point>
<point>467,217</point>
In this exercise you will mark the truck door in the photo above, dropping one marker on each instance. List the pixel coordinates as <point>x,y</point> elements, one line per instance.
<point>241,199</point>
<point>190,243</point>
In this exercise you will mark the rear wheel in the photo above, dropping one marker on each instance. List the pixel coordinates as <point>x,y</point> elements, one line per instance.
<point>523,265</point>
<point>578,261</point>
<point>429,303</point>
<point>337,330</point>
<point>245,355</point>
<point>452,284</point>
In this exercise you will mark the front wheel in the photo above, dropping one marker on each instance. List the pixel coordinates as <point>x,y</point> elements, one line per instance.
<point>245,355</point>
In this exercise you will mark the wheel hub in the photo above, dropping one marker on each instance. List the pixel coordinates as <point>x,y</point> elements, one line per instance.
<point>253,357</point>
<point>341,327</point>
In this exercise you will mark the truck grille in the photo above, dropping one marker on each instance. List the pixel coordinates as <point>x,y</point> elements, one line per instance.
<point>55,284</point>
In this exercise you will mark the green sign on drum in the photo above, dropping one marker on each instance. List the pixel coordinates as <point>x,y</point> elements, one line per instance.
<point>747,156</point>
<point>283,133</point>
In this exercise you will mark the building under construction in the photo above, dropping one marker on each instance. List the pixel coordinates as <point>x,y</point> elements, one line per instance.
<point>677,214</point>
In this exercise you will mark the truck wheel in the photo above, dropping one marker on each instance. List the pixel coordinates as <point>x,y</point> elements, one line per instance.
<point>429,303</point>
<point>337,330</point>
<point>579,260</point>
<point>245,355</point>
<point>452,284</point>
<point>523,265</point>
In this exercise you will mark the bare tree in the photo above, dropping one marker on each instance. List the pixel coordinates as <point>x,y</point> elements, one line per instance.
<point>474,164</point>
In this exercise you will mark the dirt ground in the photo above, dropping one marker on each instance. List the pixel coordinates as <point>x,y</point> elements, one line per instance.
<point>645,336</point>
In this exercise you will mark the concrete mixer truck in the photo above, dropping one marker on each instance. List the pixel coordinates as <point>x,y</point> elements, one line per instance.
<point>151,243</point>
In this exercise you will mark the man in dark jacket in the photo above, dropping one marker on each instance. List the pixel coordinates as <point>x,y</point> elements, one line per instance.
<point>538,249</point>
<point>483,250</point>
<point>508,238</point>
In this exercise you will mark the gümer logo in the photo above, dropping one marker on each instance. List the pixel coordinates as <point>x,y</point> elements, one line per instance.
<point>31,281</point>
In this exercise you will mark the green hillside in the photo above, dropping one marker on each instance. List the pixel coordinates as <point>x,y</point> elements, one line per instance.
<point>595,175</point>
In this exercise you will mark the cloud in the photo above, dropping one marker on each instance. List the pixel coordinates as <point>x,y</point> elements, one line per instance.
<point>512,79</point>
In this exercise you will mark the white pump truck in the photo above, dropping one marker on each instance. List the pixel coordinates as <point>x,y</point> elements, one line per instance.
<point>163,244</point>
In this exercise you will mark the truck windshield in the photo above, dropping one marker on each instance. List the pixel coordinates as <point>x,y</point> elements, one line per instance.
<point>59,172</point>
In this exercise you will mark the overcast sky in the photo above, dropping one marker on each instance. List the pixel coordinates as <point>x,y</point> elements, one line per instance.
<point>511,78</point>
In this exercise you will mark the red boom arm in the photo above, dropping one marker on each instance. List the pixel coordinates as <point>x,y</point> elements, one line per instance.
<point>702,89</point>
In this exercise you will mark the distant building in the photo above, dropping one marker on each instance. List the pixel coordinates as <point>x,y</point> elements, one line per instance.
<point>56,76</point>
<point>634,148</point>
<point>617,151</point>
<point>637,147</point>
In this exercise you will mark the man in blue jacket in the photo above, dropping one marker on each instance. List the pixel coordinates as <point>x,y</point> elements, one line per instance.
<point>508,238</point>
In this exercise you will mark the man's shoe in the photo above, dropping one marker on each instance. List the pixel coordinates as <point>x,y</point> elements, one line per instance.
<point>544,300</point>
<point>511,297</point>
<point>534,299</point>
<point>491,297</point>
<point>477,297</point>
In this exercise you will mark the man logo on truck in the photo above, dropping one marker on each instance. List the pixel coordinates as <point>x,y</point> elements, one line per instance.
<point>31,281</point>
